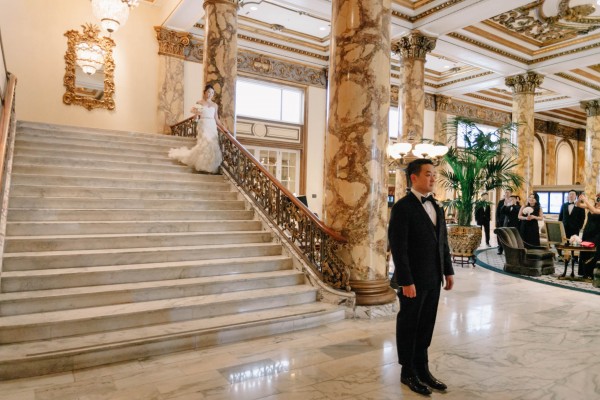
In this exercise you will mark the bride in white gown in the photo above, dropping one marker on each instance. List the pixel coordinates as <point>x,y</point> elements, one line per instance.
<point>206,154</point>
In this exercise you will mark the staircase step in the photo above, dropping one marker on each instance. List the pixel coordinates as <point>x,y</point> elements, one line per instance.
<point>13,281</point>
<point>58,203</point>
<point>90,258</point>
<point>107,227</point>
<point>44,357</point>
<point>119,193</point>
<point>202,182</point>
<point>124,215</point>
<point>87,147</point>
<point>28,302</point>
<point>58,324</point>
<point>17,244</point>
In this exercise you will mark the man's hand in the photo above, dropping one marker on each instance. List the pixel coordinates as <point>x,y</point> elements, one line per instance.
<point>409,291</point>
<point>449,282</point>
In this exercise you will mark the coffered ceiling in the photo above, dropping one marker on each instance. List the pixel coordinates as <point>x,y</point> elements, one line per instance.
<point>479,43</point>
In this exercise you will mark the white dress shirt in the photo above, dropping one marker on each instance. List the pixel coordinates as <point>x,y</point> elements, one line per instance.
<point>428,206</point>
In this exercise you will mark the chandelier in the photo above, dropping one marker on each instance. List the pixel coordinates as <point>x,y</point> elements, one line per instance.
<point>90,57</point>
<point>403,153</point>
<point>112,13</point>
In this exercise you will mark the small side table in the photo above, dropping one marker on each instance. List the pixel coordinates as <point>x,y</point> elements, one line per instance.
<point>572,249</point>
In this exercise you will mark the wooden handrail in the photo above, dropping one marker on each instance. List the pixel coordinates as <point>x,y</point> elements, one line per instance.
<point>324,228</point>
<point>7,110</point>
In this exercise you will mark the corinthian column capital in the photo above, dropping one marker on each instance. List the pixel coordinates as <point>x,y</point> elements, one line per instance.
<point>524,83</point>
<point>414,45</point>
<point>171,43</point>
<point>234,3</point>
<point>592,108</point>
<point>442,102</point>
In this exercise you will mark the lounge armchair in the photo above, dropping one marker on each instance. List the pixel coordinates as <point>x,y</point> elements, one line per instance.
<point>523,258</point>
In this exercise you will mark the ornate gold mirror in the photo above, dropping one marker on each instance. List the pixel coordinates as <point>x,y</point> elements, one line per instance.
<point>89,69</point>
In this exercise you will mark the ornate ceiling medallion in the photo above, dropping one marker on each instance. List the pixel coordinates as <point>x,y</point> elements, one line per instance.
<point>565,23</point>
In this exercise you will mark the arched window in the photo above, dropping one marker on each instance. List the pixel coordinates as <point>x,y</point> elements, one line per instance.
<point>538,161</point>
<point>565,157</point>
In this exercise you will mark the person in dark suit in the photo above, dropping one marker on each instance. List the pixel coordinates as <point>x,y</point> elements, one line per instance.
<point>419,243</point>
<point>483,216</point>
<point>571,216</point>
<point>511,210</point>
<point>500,214</point>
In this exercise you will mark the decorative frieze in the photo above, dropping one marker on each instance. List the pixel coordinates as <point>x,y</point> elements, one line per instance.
<point>270,67</point>
<point>414,45</point>
<point>171,43</point>
<point>592,108</point>
<point>557,129</point>
<point>524,83</point>
<point>442,102</point>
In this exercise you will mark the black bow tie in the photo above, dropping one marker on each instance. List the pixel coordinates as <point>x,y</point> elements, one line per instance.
<point>571,203</point>
<point>428,198</point>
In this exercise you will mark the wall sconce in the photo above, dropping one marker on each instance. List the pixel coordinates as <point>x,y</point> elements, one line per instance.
<point>403,153</point>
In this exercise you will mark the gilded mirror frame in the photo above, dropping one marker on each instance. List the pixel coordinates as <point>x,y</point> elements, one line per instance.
<point>91,34</point>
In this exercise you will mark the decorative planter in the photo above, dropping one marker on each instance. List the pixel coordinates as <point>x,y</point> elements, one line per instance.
<point>463,240</point>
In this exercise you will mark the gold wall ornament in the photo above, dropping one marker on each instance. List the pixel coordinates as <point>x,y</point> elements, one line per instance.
<point>172,43</point>
<point>89,91</point>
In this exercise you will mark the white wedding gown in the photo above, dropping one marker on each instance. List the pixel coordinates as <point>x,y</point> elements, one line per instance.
<point>206,154</point>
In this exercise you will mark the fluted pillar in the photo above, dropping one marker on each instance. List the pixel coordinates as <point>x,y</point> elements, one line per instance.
<point>523,87</point>
<point>440,135</point>
<point>355,202</point>
<point>220,55</point>
<point>412,49</point>
<point>592,147</point>
<point>171,45</point>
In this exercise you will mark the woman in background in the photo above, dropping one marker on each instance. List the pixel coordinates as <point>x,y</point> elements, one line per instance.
<point>529,215</point>
<point>206,155</point>
<point>591,233</point>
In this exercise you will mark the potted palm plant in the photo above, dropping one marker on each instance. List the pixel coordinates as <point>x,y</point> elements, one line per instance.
<point>486,162</point>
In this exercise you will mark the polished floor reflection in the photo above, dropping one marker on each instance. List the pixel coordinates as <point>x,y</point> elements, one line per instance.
<point>497,337</point>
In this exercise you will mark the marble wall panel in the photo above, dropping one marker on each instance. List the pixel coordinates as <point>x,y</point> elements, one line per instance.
<point>171,94</point>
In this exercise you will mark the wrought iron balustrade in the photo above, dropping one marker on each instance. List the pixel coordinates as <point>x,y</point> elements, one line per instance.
<point>317,243</point>
<point>185,128</point>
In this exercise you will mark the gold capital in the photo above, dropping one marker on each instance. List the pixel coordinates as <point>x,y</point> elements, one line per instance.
<point>442,102</point>
<point>414,45</point>
<point>234,3</point>
<point>171,43</point>
<point>592,108</point>
<point>524,83</point>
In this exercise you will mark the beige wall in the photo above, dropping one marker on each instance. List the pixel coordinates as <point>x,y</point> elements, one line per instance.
<point>192,86</point>
<point>316,129</point>
<point>35,45</point>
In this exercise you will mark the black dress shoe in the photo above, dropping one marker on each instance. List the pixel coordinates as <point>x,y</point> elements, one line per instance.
<point>428,379</point>
<point>415,385</point>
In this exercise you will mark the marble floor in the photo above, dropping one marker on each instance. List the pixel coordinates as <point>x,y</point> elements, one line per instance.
<point>497,337</point>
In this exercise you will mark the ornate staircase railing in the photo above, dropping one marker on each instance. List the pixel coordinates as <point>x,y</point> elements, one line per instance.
<point>185,128</point>
<point>315,242</point>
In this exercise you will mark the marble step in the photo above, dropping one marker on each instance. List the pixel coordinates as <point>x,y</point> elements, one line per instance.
<point>101,135</point>
<point>14,281</point>
<point>88,147</point>
<point>92,154</point>
<point>203,182</point>
<point>58,203</point>
<point>185,175</point>
<point>119,193</point>
<point>65,323</point>
<point>90,258</point>
<point>107,227</point>
<point>20,244</point>
<point>39,215</point>
<point>65,161</point>
<point>28,302</point>
<point>67,354</point>
<point>132,146</point>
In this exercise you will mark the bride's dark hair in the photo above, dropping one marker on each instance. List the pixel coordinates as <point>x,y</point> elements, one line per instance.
<point>208,87</point>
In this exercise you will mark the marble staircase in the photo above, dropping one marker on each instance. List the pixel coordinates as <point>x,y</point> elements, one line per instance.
<point>113,252</point>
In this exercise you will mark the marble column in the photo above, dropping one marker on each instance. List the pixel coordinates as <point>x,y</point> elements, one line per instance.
<point>220,55</point>
<point>171,45</point>
<point>412,49</point>
<point>592,147</point>
<point>580,173</point>
<point>550,167</point>
<point>523,87</point>
<point>440,135</point>
<point>355,184</point>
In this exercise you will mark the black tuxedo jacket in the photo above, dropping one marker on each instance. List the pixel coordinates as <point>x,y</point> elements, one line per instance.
<point>572,222</point>
<point>419,249</point>
<point>483,215</point>
<point>511,215</point>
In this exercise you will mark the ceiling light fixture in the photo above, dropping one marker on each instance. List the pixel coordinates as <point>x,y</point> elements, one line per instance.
<point>112,13</point>
<point>402,153</point>
<point>90,57</point>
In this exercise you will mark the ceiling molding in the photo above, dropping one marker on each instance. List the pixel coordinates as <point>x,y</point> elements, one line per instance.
<point>578,81</point>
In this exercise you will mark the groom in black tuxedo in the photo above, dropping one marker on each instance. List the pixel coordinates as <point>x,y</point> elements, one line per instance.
<point>419,244</point>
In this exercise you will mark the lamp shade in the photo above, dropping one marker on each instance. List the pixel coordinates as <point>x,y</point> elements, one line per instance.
<point>111,13</point>
<point>425,149</point>
<point>90,57</point>
<point>439,150</point>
